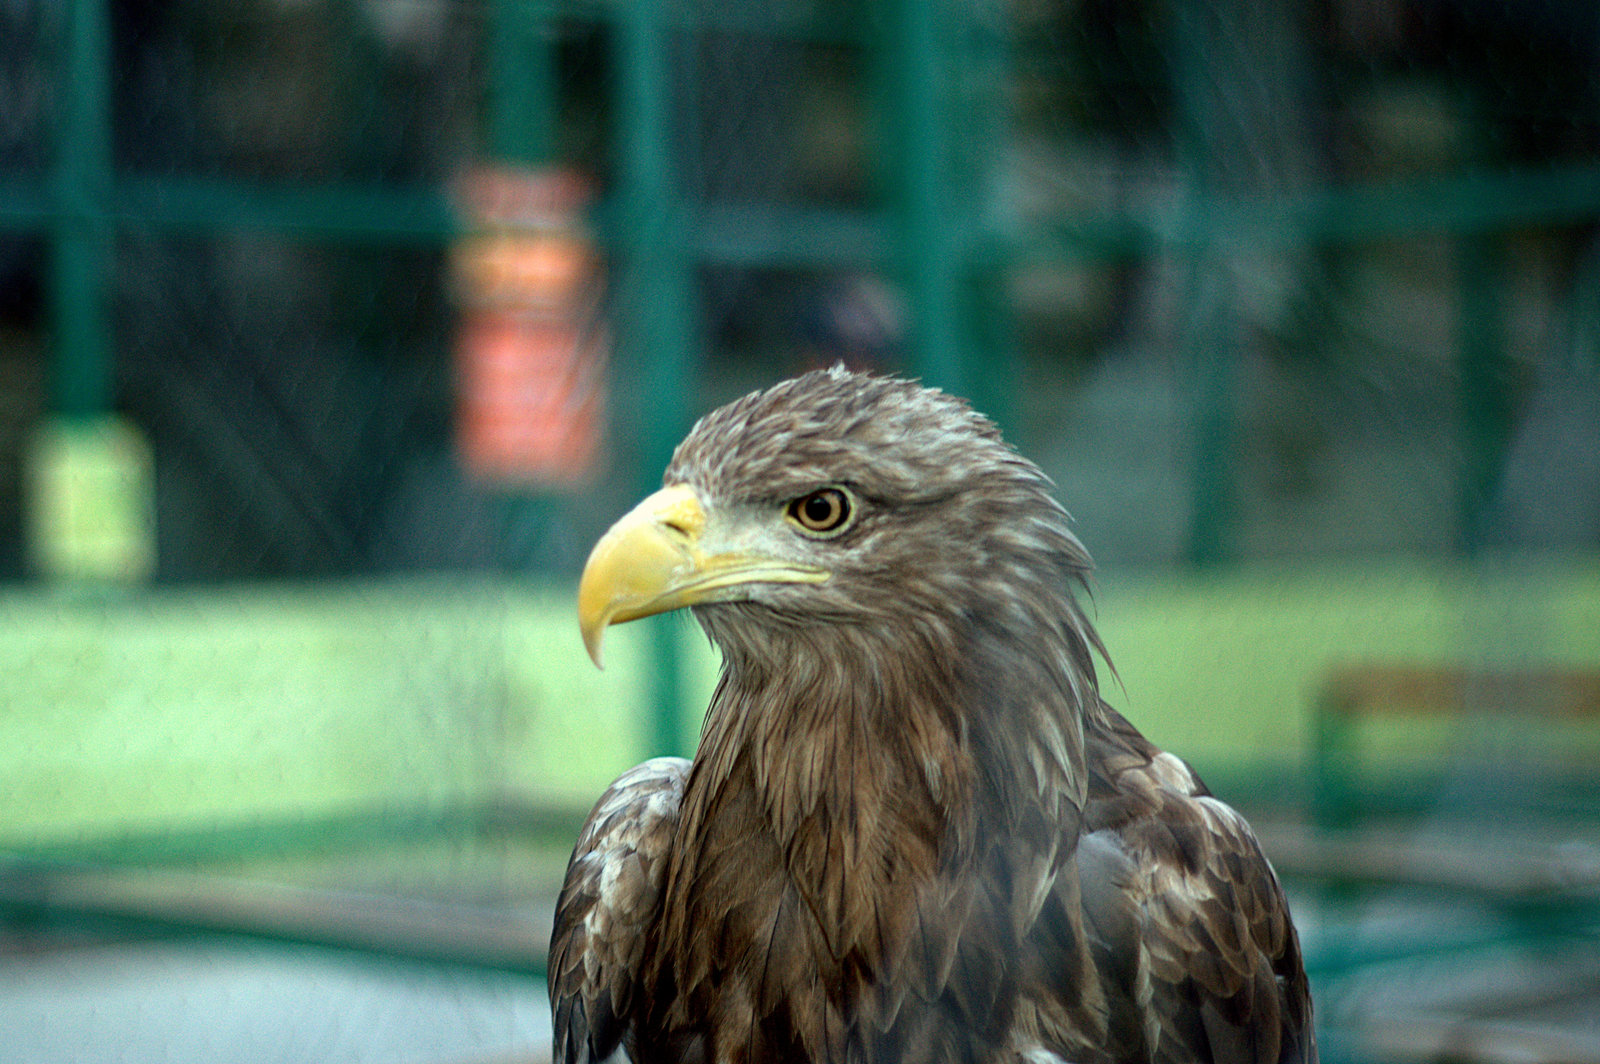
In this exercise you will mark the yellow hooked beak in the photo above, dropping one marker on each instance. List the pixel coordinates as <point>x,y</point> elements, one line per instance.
<point>656,559</point>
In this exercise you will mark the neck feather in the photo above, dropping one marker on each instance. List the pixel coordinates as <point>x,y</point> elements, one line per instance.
<point>871,732</point>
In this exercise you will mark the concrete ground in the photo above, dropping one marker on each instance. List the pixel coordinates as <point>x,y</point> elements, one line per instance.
<point>236,1001</point>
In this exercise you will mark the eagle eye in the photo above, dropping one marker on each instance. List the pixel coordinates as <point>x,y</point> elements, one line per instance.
<point>823,512</point>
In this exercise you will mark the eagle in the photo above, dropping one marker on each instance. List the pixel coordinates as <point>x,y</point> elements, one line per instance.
<point>913,831</point>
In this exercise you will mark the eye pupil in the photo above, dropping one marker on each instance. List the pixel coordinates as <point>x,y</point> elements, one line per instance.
<point>821,511</point>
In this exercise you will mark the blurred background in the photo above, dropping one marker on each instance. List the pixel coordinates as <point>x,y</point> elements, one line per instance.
<point>333,332</point>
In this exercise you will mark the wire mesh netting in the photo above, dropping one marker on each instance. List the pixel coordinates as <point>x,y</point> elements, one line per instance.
<point>1309,289</point>
<point>1144,200</point>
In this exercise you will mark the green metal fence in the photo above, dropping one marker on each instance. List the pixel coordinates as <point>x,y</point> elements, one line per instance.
<point>938,122</point>
<point>1179,96</point>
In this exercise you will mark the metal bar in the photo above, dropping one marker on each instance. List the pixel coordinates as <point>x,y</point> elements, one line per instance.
<point>478,936</point>
<point>1207,341</point>
<point>725,233</point>
<point>737,234</point>
<point>930,263</point>
<point>1337,957</point>
<point>80,260</point>
<point>981,68</point>
<point>1208,346</point>
<point>1332,758</point>
<point>25,206</point>
<point>520,130</point>
<point>747,235</point>
<point>200,205</point>
<point>655,316</point>
<point>522,84</point>
<point>337,831</point>
<point>1486,417</point>
<point>820,23</point>
<point>1470,203</point>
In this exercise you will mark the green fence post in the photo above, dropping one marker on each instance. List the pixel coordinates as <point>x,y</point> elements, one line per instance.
<point>983,69</point>
<point>522,84</point>
<point>1485,399</point>
<point>1208,340</point>
<point>918,106</point>
<point>1208,348</point>
<point>1333,757</point>
<point>80,262</point>
<point>654,309</point>
<point>520,130</point>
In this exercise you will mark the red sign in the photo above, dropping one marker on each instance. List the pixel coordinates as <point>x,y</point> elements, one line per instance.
<point>531,349</point>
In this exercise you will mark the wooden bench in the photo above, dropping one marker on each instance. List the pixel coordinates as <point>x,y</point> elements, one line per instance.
<point>1529,775</point>
<point>1461,791</point>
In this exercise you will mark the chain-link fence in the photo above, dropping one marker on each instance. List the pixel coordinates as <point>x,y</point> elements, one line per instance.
<point>1252,279</point>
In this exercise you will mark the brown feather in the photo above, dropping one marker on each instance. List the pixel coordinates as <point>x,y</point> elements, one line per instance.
<point>913,832</point>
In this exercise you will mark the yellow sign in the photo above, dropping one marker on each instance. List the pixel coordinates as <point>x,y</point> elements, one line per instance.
<point>91,505</point>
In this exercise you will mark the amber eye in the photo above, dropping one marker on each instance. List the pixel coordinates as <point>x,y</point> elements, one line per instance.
<point>824,510</point>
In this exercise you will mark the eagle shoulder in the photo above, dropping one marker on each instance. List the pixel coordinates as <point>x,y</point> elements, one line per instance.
<point>608,902</point>
<point>1189,925</point>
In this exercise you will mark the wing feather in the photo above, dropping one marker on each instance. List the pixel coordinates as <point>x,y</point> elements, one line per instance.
<point>607,906</point>
<point>1189,925</point>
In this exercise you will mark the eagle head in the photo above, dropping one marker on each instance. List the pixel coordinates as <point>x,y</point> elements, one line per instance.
<point>838,504</point>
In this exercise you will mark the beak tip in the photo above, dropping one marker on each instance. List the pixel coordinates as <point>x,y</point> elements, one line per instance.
<point>591,643</point>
